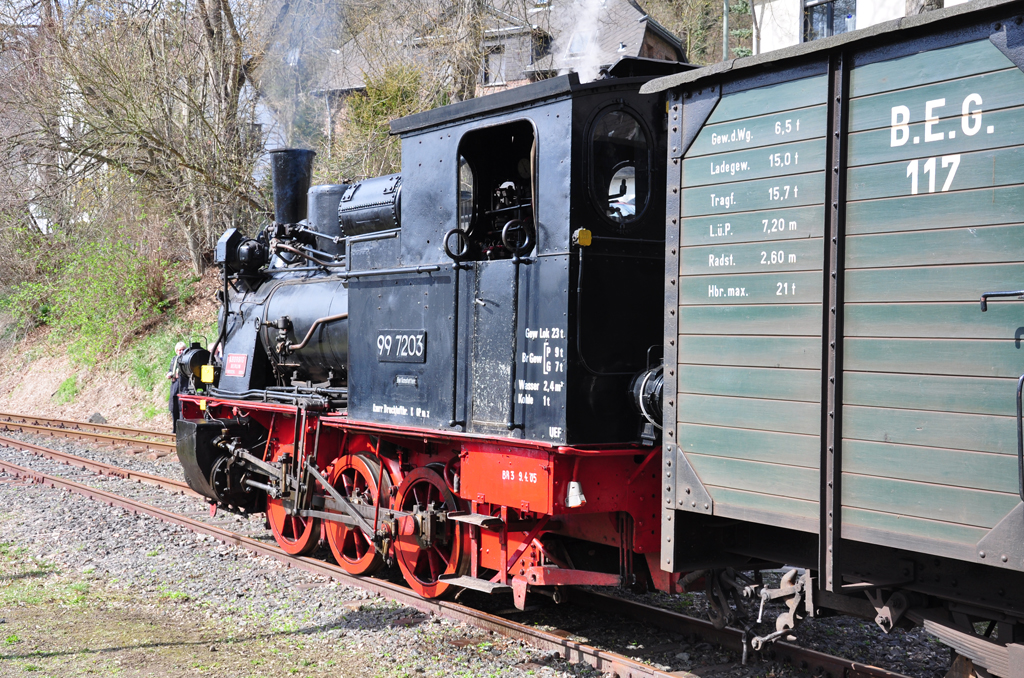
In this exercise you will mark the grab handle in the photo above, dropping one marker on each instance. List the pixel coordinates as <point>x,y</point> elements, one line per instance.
<point>1020,439</point>
<point>985,297</point>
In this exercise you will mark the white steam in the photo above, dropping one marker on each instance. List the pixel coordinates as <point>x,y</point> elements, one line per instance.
<point>586,37</point>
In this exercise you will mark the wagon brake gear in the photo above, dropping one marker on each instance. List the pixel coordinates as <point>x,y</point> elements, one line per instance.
<point>796,591</point>
<point>723,585</point>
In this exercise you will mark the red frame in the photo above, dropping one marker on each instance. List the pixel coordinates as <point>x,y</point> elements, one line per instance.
<point>524,482</point>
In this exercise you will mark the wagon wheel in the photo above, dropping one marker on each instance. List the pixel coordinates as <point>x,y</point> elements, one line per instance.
<point>294,534</point>
<point>355,476</point>
<point>422,565</point>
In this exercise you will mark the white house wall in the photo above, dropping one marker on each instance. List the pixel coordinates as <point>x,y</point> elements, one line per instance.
<point>780,22</point>
<point>871,12</point>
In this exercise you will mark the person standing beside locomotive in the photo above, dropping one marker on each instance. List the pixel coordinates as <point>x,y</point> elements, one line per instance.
<point>172,374</point>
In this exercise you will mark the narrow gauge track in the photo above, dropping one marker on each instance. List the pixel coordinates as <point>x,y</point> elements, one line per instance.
<point>81,430</point>
<point>818,663</point>
<point>100,467</point>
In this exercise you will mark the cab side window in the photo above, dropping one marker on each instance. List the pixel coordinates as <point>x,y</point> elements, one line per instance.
<point>620,173</point>
<point>496,190</point>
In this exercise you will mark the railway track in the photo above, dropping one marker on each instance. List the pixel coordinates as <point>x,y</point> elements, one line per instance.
<point>817,663</point>
<point>161,443</point>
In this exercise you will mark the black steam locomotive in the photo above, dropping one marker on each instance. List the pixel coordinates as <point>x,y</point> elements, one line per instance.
<point>460,366</point>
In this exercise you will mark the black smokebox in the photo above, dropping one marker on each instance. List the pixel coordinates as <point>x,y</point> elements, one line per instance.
<point>292,172</point>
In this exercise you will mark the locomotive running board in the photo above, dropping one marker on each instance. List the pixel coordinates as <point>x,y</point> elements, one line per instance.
<point>474,583</point>
<point>485,521</point>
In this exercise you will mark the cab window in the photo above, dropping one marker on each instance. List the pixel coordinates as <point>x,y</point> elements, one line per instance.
<point>496,189</point>
<point>620,167</point>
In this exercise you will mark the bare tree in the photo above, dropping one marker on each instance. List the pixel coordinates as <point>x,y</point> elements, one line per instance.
<point>159,92</point>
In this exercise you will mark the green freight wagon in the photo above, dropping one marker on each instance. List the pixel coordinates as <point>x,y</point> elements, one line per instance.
<point>836,396</point>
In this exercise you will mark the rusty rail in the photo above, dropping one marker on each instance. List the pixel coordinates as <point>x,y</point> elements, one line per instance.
<point>100,467</point>
<point>78,430</point>
<point>811,661</point>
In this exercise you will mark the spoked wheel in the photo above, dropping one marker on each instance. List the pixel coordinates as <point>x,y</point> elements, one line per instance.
<point>423,564</point>
<point>355,478</point>
<point>295,535</point>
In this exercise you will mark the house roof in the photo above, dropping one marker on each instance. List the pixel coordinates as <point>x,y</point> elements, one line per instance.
<point>585,36</point>
<point>586,40</point>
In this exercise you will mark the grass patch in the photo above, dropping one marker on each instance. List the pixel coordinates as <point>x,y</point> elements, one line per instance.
<point>147,360</point>
<point>67,391</point>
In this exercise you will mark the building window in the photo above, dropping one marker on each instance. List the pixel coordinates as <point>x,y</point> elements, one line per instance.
<point>494,66</point>
<point>580,43</point>
<point>823,18</point>
<point>540,47</point>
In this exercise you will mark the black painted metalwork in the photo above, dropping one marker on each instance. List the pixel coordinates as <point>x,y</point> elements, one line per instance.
<point>830,530</point>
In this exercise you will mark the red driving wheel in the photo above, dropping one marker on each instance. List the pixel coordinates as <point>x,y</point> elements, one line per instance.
<point>354,476</point>
<point>423,564</point>
<point>294,534</point>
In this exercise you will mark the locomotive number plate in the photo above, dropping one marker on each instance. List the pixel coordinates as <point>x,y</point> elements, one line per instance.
<point>402,346</point>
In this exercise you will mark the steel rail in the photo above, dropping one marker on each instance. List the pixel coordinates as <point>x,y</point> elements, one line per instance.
<point>10,417</point>
<point>818,663</point>
<point>571,650</point>
<point>100,467</point>
<point>111,439</point>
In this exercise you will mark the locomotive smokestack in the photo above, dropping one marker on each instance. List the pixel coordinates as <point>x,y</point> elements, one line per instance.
<point>292,172</point>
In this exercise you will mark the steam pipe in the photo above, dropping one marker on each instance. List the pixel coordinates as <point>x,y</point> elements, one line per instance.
<point>316,323</point>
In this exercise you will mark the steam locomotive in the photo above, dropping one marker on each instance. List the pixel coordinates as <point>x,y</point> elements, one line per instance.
<point>458,367</point>
<point>614,332</point>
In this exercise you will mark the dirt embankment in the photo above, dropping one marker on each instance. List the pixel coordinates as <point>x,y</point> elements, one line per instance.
<point>37,377</point>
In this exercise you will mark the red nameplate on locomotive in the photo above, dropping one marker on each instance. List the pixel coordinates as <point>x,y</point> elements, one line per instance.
<point>234,365</point>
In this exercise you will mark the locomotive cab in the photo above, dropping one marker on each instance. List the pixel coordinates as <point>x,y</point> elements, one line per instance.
<point>526,274</point>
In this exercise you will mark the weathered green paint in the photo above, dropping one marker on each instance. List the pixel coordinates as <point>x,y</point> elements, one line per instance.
<point>736,503</point>
<point>979,207</point>
<point>726,137</point>
<point>751,288</point>
<point>768,319</point>
<point>781,448</point>
<point>769,226</point>
<point>1004,320</point>
<point>770,161</point>
<point>768,415</point>
<point>970,245</point>
<point>785,96</point>
<point>748,196</point>
<point>983,433</point>
<point>931,283</point>
<point>751,382</point>
<point>919,69</point>
<point>994,167</point>
<point>969,395</point>
<point>1000,89</point>
<point>806,255</point>
<point>956,357</point>
<point>875,146</point>
<point>952,504</point>
<point>896,525</point>
<point>978,470</point>
<point>795,352</point>
<point>754,476</point>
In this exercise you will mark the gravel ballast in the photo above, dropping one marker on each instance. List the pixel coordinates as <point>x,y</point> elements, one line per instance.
<point>202,577</point>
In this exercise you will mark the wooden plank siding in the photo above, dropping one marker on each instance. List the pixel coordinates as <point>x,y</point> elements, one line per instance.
<point>934,218</point>
<point>748,410</point>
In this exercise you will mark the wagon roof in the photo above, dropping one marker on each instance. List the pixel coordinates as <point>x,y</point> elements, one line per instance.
<point>752,64</point>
